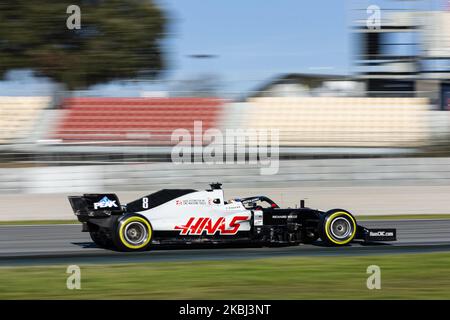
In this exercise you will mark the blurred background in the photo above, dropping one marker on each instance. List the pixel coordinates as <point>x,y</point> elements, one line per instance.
<point>360,91</point>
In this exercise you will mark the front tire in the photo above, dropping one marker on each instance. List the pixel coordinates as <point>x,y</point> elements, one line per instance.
<point>133,233</point>
<point>337,227</point>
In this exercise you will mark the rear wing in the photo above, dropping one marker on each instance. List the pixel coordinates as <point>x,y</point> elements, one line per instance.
<point>98,204</point>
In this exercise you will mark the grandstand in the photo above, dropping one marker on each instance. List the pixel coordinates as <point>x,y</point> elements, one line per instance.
<point>342,121</point>
<point>18,117</point>
<point>148,121</point>
<point>128,129</point>
<point>303,122</point>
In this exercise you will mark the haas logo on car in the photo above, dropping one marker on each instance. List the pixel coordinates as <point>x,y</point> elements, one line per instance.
<point>196,226</point>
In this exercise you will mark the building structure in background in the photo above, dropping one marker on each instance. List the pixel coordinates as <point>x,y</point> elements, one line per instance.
<point>309,85</point>
<point>407,55</point>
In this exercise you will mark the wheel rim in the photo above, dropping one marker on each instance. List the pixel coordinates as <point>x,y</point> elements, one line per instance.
<point>135,233</point>
<point>341,228</point>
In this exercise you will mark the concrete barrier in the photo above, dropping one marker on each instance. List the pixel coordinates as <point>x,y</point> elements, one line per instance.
<point>366,200</point>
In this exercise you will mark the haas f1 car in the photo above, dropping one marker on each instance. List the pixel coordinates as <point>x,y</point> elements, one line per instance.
<point>172,216</point>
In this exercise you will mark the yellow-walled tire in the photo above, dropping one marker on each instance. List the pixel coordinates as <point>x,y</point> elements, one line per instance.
<point>337,227</point>
<point>133,233</point>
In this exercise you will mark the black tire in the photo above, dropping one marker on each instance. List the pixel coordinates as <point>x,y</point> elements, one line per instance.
<point>132,233</point>
<point>337,227</point>
<point>101,239</point>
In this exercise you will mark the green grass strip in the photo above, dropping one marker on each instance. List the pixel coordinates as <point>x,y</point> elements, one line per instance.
<point>408,276</point>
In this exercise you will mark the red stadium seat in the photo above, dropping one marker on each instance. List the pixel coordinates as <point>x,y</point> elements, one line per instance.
<point>134,120</point>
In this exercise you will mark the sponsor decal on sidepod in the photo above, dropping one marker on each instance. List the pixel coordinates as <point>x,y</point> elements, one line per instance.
<point>196,226</point>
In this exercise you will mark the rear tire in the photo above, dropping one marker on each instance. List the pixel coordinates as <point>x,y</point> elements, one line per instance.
<point>133,233</point>
<point>337,227</point>
<point>101,239</point>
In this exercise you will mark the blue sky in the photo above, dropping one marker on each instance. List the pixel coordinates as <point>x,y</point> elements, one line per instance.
<point>251,40</point>
<point>254,39</point>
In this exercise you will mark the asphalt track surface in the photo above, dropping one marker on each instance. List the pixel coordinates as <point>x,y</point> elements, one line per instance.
<point>66,244</point>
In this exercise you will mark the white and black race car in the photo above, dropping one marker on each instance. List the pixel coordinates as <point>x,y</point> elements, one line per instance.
<point>172,216</point>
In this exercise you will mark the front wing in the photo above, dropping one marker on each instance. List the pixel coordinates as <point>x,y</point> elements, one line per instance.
<point>378,234</point>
